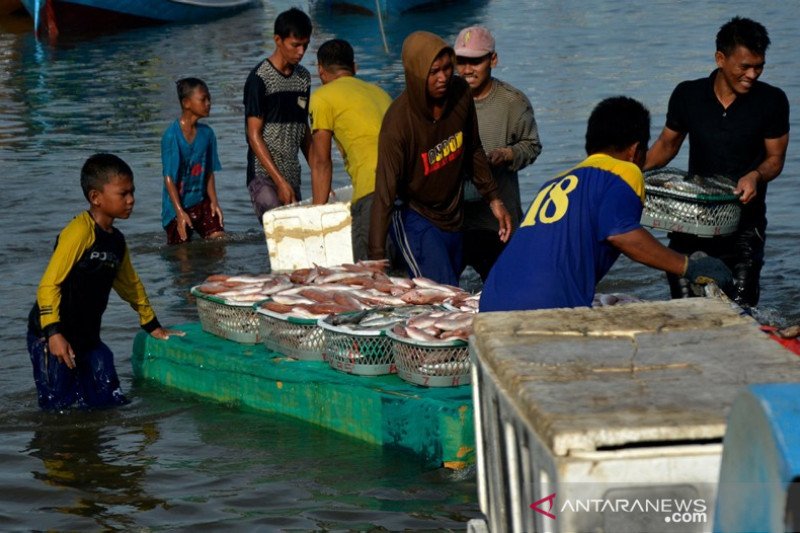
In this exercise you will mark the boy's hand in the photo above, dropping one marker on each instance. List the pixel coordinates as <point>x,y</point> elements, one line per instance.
<point>216,210</point>
<point>164,334</point>
<point>183,221</point>
<point>60,347</point>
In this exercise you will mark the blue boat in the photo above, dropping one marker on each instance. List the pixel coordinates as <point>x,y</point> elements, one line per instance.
<point>54,16</point>
<point>383,7</point>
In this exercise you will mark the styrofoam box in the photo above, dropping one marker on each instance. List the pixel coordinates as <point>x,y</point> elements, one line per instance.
<point>301,235</point>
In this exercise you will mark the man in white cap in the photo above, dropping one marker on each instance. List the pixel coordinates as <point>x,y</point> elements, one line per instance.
<point>509,135</point>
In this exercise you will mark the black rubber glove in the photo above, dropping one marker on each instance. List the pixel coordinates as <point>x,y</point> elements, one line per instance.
<point>707,269</point>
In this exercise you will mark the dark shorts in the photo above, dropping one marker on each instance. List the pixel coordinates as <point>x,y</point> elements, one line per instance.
<point>204,222</point>
<point>360,213</point>
<point>93,383</point>
<point>264,196</point>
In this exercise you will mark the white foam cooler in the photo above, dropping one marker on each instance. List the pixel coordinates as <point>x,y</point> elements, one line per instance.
<point>610,419</point>
<point>301,235</point>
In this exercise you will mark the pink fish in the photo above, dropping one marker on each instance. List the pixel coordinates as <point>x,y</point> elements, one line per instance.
<point>419,335</point>
<point>423,296</point>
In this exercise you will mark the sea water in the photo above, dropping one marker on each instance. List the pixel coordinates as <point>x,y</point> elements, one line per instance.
<point>171,461</point>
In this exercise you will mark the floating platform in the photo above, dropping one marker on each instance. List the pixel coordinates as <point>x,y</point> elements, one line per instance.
<point>434,423</point>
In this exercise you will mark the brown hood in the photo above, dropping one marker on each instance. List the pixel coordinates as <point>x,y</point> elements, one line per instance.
<point>419,50</point>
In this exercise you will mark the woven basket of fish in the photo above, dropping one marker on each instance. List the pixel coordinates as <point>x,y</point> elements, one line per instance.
<point>356,342</point>
<point>702,206</point>
<point>293,336</point>
<point>229,319</point>
<point>432,349</point>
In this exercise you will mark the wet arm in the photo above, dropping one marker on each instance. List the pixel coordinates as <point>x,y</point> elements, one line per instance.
<point>211,191</point>
<point>321,165</point>
<point>768,170</point>
<point>642,247</point>
<point>255,126</point>
<point>130,288</point>
<point>72,243</point>
<point>664,149</point>
<point>181,217</point>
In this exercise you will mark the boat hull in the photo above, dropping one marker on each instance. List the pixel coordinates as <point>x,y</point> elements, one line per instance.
<point>54,16</point>
<point>385,6</point>
<point>9,6</point>
<point>435,424</point>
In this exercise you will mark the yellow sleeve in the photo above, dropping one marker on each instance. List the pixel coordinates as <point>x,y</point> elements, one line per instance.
<point>321,112</point>
<point>130,288</point>
<point>72,242</point>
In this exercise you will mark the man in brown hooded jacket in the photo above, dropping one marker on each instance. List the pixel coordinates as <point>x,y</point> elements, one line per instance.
<point>428,144</point>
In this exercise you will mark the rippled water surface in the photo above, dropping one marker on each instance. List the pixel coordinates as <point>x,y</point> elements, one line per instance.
<point>170,461</point>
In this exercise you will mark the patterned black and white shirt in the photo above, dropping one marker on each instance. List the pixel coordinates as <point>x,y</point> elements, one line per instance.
<point>282,101</point>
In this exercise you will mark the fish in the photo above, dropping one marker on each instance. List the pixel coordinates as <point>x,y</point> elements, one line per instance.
<point>419,335</point>
<point>343,298</point>
<point>455,321</point>
<point>423,296</point>
<point>462,334</point>
<point>291,299</point>
<point>277,307</point>
<point>277,287</point>
<point>426,283</point>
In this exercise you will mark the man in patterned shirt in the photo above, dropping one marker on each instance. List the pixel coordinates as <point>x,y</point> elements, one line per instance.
<point>276,116</point>
<point>510,137</point>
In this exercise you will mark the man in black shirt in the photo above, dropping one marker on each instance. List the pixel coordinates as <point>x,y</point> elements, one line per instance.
<point>738,127</point>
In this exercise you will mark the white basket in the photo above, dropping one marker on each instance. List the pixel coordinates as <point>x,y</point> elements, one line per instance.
<point>365,352</point>
<point>299,338</point>
<point>704,207</point>
<point>236,321</point>
<point>431,364</point>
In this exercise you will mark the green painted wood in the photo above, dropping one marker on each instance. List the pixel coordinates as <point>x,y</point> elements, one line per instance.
<point>435,423</point>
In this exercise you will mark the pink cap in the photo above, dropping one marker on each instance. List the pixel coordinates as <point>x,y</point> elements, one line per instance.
<point>475,41</point>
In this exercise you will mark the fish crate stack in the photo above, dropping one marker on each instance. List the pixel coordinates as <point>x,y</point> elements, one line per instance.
<point>701,206</point>
<point>357,343</point>
<point>430,350</point>
<point>296,337</point>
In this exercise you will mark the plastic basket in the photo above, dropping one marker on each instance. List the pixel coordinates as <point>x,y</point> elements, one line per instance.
<point>300,338</point>
<point>363,352</point>
<point>703,206</point>
<point>431,364</point>
<point>236,321</point>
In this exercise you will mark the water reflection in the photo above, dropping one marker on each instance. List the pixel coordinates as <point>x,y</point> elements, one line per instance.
<point>105,467</point>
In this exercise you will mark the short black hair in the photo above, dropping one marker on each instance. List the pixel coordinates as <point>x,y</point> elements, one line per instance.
<point>617,123</point>
<point>336,54</point>
<point>293,22</point>
<point>186,87</point>
<point>740,31</point>
<point>99,170</point>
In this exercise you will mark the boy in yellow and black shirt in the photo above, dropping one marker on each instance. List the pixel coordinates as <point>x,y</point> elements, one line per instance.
<point>71,365</point>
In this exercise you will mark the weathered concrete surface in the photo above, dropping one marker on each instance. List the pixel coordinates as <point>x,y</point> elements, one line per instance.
<point>585,379</point>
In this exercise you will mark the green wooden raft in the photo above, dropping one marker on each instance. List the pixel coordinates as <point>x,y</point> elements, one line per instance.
<point>435,423</point>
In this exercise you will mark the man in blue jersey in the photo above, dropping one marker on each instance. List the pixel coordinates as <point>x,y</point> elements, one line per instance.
<point>580,221</point>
